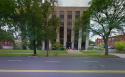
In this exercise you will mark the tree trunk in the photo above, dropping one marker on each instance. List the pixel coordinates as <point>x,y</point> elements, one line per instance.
<point>23,43</point>
<point>47,48</point>
<point>106,46</point>
<point>47,53</point>
<point>34,47</point>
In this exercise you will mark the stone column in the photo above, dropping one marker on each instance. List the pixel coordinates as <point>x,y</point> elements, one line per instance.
<point>43,45</point>
<point>58,34</point>
<point>50,45</point>
<point>87,41</point>
<point>58,30</point>
<point>65,28</point>
<point>80,39</point>
<point>73,33</point>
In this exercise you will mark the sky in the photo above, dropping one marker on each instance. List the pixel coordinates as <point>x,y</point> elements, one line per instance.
<point>76,3</point>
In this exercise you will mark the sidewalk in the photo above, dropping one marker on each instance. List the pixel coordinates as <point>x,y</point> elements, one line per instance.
<point>118,55</point>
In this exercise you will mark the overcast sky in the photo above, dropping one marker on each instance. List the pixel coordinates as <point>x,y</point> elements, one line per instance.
<point>73,2</point>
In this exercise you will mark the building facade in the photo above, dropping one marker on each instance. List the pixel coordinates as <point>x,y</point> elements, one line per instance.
<point>66,34</point>
<point>6,44</point>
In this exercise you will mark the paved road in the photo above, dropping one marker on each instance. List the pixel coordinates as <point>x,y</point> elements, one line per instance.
<point>61,67</point>
<point>57,75</point>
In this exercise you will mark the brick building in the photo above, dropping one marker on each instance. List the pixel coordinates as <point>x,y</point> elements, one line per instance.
<point>6,45</point>
<point>111,41</point>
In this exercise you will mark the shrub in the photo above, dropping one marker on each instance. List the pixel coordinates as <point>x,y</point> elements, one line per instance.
<point>57,46</point>
<point>101,46</point>
<point>120,46</point>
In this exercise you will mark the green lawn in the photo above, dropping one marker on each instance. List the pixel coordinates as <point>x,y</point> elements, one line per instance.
<point>40,53</point>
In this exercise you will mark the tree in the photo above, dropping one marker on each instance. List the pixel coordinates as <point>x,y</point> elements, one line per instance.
<point>82,25</point>
<point>34,20</point>
<point>50,23</point>
<point>106,15</point>
<point>28,19</point>
<point>21,19</point>
<point>35,23</point>
<point>7,8</point>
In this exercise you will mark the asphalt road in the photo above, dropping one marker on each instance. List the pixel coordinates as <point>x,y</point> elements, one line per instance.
<point>61,67</point>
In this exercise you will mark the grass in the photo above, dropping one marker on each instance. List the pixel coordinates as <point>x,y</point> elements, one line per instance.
<point>40,53</point>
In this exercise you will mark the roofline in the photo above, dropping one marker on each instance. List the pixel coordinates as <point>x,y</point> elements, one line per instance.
<point>73,6</point>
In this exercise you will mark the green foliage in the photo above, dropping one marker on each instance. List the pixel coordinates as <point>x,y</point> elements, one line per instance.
<point>31,19</point>
<point>83,22</point>
<point>53,25</point>
<point>101,45</point>
<point>57,46</point>
<point>120,46</point>
<point>103,5</point>
<point>106,15</point>
<point>50,22</point>
<point>7,8</point>
<point>28,20</point>
<point>5,36</point>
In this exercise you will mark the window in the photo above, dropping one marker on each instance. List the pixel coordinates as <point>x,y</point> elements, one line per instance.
<point>62,18</point>
<point>69,17</point>
<point>62,23</point>
<point>77,14</point>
